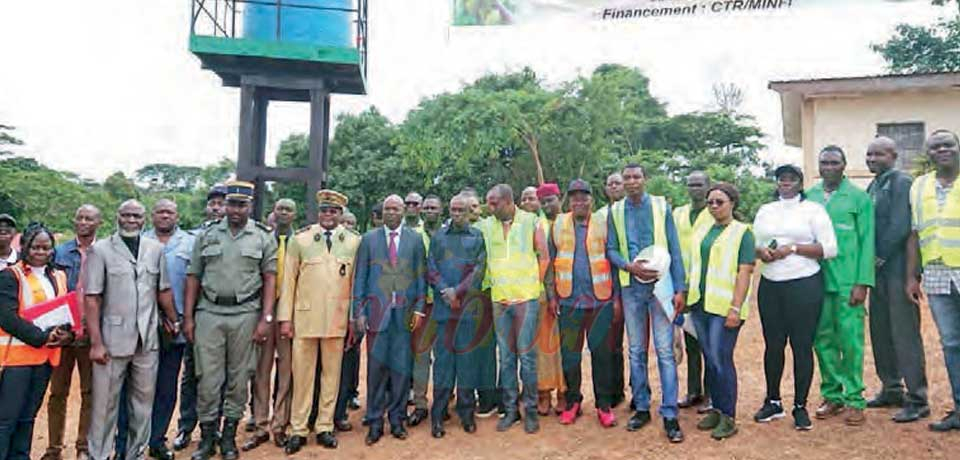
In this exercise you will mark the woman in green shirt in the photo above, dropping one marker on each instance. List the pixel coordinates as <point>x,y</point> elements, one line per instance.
<point>720,272</point>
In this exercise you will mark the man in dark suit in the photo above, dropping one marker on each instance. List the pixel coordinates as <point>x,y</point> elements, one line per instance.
<point>388,300</point>
<point>894,320</point>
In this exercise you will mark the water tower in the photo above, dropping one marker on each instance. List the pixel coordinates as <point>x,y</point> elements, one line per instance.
<point>283,50</point>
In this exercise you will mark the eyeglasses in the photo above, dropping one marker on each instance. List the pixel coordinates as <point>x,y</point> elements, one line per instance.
<point>411,203</point>
<point>716,202</point>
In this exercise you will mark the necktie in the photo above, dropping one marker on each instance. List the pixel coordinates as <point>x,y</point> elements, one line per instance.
<point>393,249</point>
<point>329,242</point>
<point>281,252</point>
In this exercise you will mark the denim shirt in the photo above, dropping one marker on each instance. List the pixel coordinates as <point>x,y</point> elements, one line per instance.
<point>68,258</point>
<point>639,229</point>
<point>177,252</point>
<point>456,260</point>
<point>582,295</point>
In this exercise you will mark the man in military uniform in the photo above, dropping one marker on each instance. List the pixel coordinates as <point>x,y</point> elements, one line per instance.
<point>213,212</point>
<point>231,284</point>
<point>314,311</point>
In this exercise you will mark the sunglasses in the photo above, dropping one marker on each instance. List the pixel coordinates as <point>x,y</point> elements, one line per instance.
<point>411,203</point>
<point>716,202</point>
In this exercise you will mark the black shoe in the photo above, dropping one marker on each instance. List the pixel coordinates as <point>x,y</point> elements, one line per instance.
<point>885,400</point>
<point>672,427</point>
<point>531,424</point>
<point>208,442</point>
<point>417,417</point>
<point>507,421</point>
<point>280,439</point>
<point>437,429</point>
<point>398,431</point>
<point>161,453</point>
<point>468,423</point>
<point>342,425</point>
<point>255,441</point>
<point>183,440</point>
<point>690,401</point>
<point>294,444</point>
<point>374,434</point>
<point>353,403</point>
<point>250,426</point>
<point>950,422</point>
<point>801,419</point>
<point>486,410</point>
<point>327,440</point>
<point>228,440</point>
<point>911,413</point>
<point>771,410</point>
<point>638,420</point>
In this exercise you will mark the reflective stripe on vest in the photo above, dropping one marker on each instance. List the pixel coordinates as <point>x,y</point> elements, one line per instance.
<point>31,292</point>
<point>512,264</point>
<point>685,231</point>
<point>938,228</point>
<point>658,206</point>
<point>564,236</point>
<point>722,272</point>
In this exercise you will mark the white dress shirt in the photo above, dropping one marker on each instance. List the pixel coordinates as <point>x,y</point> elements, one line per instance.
<point>398,230</point>
<point>789,222</point>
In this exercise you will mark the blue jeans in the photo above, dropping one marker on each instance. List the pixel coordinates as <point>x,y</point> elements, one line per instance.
<point>946,313</point>
<point>641,308</point>
<point>718,343</point>
<point>516,328</point>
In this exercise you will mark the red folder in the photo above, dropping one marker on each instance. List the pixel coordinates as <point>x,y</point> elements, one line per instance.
<point>61,310</point>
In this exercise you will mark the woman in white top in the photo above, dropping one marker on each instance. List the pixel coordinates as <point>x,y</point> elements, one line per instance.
<point>792,235</point>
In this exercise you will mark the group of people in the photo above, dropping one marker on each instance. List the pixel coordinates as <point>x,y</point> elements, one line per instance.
<point>495,304</point>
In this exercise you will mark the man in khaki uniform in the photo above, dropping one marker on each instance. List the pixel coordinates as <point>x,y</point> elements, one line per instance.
<point>314,311</point>
<point>274,351</point>
<point>231,284</point>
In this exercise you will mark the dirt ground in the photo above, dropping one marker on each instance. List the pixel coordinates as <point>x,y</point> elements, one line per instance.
<point>879,438</point>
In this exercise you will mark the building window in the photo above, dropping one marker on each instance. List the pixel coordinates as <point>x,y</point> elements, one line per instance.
<point>909,138</point>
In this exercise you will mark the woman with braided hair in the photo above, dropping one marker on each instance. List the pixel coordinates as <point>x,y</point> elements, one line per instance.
<point>27,352</point>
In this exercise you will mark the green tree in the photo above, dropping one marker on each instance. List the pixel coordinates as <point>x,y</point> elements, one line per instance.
<point>7,139</point>
<point>164,177</point>
<point>924,49</point>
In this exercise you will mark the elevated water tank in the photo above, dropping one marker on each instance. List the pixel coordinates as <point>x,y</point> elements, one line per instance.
<point>321,27</point>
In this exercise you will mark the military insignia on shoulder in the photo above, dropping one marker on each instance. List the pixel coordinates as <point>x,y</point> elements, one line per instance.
<point>303,229</point>
<point>263,226</point>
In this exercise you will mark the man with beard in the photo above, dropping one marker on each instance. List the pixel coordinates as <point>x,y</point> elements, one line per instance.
<point>231,286</point>
<point>124,280</point>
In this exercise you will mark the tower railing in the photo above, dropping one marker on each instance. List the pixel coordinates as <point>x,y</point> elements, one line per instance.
<point>219,18</point>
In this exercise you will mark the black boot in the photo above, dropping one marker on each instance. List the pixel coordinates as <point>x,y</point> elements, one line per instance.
<point>228,440</point>
<point>208,442</point>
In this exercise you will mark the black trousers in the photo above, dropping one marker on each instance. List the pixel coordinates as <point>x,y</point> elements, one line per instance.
<point>595,325</point>
<point>349,379</point>
<point>790,310</point>
<point>695,373</point>
<point>21,393</point>
<point>895,335</point>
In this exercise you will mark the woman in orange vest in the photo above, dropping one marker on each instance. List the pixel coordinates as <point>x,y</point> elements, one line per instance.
<point>27,353</point>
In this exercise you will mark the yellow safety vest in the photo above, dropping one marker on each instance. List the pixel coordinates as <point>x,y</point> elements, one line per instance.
<point>659,207</point>
<point>512,264</point>
<point>564,238</point>
<point>685,231</point>
<point>15,352</point>
<point>722,272</point>
<point>938,227</point>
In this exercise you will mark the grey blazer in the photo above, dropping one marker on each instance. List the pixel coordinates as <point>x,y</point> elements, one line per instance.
<point>129,287</point>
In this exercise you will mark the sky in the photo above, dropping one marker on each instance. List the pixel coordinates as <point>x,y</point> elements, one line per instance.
<point>98,87</point>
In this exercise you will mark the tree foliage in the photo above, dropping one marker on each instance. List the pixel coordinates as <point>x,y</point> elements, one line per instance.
<point>7,139</point>
<point>924,49</point>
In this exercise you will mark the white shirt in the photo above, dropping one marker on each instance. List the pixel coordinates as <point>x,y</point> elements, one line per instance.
<point>792,221</point>
<point>398,230</point>
<point>4,262</point>
<point>45,282</point>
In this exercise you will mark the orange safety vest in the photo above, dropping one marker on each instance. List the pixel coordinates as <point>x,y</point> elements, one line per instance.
<point>14,352</point>
<point>564,238</point>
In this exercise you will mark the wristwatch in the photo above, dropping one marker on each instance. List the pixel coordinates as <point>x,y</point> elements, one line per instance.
<point>268,319</point>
